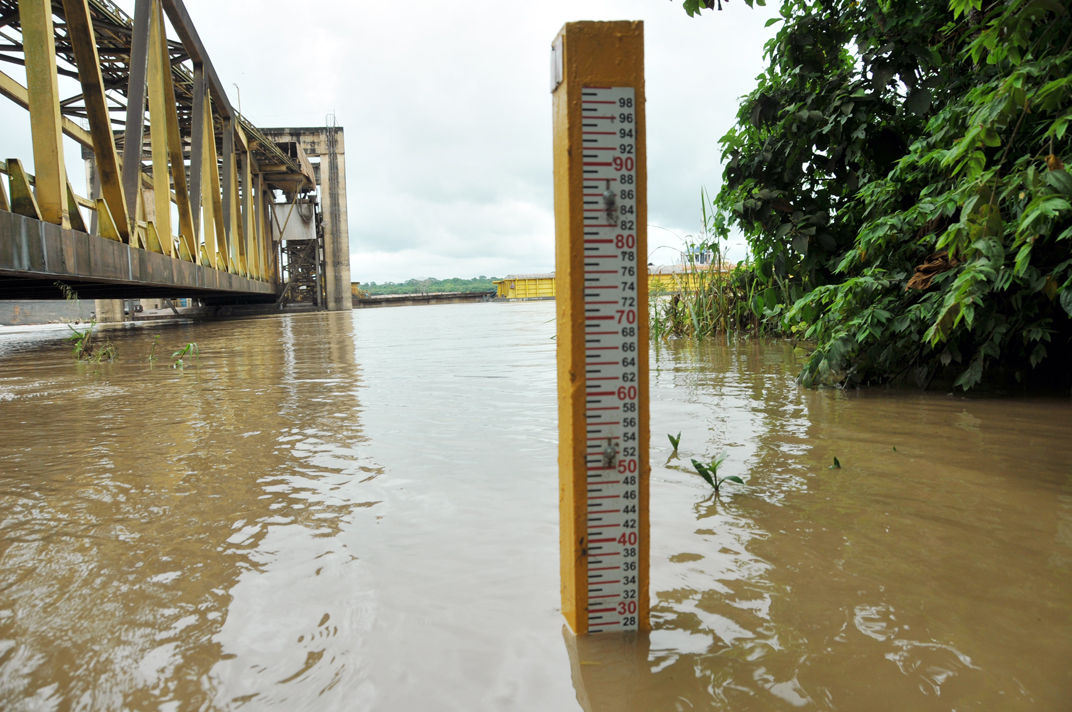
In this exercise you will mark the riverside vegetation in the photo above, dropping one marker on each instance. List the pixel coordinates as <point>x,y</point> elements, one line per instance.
<point>83,347</point>
<point>86,350</point>
<point>899,175</point>
<point>717,297</point>
<point>425,286</point>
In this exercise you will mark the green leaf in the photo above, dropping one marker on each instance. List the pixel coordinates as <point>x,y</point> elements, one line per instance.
<point>1040,6</point>
<point>757,304</point>
<point>771,21</point>
<point>1066,300</point>
<point>881,74</point>
<point>717,462</point>
<point>1038,355</point>
<point>836,465</point>
<point>971,375</point>
<point>701,470</point>
<point>733,478</point>
<point>770,298</point>
<point>674,441</point>
<point>919,101</point>
<point>1060,181</point>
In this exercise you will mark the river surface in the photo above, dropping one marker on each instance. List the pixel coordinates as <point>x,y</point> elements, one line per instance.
<point>359,511</point>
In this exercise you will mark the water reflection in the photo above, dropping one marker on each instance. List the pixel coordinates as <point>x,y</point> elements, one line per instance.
<point>124,569</point>
<point>901,580</point>
<point>610,672</point>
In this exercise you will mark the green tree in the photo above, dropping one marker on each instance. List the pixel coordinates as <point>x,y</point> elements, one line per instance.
<point>899,174</point>
<point>431,284</point>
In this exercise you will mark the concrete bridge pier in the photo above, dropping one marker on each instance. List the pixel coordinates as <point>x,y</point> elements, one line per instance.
<point>326,152</point>
<point>109,310</point>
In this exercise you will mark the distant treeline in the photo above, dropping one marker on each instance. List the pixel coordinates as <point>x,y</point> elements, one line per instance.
<point>424,286</point>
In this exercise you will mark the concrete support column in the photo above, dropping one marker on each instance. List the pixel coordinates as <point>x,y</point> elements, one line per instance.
<point>328,146</point>
<point>336,230</point>
<point>109,311</point>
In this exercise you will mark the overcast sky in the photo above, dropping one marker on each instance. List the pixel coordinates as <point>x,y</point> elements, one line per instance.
<point>447,115</point>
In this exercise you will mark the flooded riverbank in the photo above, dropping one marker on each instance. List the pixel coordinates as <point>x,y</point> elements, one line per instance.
<point>359,511</point>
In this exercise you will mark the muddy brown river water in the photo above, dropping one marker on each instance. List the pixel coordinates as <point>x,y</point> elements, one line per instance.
<point>358,511</point>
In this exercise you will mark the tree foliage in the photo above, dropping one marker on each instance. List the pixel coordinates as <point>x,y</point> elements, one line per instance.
<point>431,284</point>
<point>899,174</point>
<point>693,7</point>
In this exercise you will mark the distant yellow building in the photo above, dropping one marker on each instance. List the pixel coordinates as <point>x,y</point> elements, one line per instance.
<point>661,280</point>
<point>526,286</point>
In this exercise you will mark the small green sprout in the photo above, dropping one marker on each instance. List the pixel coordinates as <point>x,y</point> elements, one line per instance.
<point>674,441</point>
<point>710,473</point>
<point>179,358</point>
<point>836,465</point>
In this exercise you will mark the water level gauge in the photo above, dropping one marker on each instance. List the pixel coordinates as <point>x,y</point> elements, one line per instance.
<point>601,268</point>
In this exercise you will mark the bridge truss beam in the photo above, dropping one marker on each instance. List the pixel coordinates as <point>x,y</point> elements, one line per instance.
<point>198,154</point>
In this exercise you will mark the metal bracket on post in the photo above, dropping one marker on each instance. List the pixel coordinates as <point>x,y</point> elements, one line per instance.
<point>556,63</point>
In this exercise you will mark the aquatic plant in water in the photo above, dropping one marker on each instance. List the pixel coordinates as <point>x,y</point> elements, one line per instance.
<point>710,472</point>
<point>83,345</point>
<point>180,358</point>
<point>83,338</point>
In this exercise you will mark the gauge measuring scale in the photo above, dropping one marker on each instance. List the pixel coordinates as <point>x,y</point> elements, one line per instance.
<point>611,345</point>
<point>597,85</point>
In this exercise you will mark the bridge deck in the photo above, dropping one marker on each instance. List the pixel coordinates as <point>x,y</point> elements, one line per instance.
<point>34,255</point>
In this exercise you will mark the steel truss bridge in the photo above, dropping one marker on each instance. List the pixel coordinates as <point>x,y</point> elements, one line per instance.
<point>159,136</point>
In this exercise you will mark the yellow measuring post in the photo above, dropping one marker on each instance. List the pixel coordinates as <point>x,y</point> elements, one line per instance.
<point>597,84</point>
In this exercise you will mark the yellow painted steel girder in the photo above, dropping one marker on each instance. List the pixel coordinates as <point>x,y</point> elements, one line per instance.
<point>97,38</point>
<point>158,132</point>
<point>84,45</point>
<point>44,103</point>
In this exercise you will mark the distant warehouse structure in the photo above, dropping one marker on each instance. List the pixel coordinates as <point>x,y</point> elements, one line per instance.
<point>661,280</point>
<point>526,286</point>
